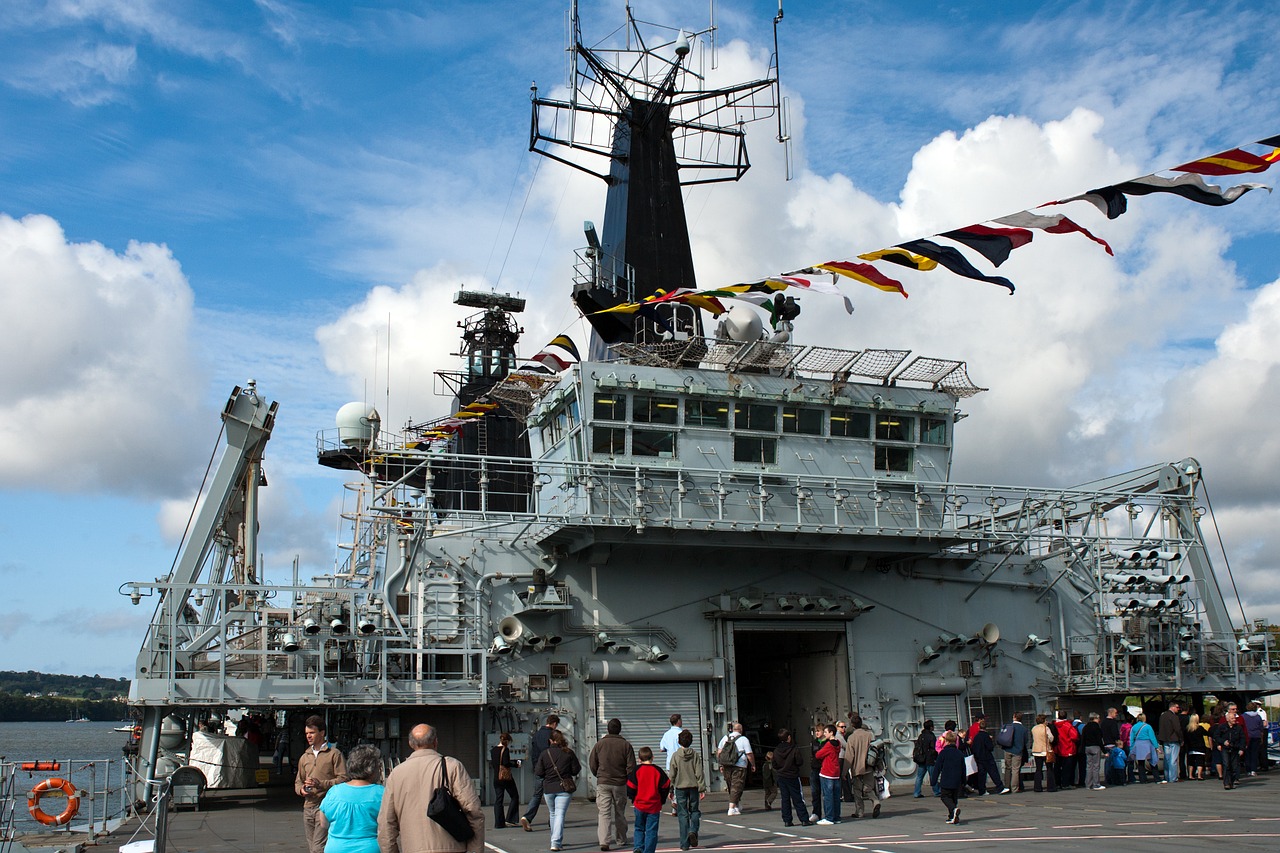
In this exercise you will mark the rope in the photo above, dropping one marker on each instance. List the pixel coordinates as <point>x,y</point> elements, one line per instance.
<point>1225,560</point>
<point>217,442</point>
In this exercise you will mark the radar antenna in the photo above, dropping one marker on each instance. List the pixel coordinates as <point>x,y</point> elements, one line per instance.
<point>642,116</point>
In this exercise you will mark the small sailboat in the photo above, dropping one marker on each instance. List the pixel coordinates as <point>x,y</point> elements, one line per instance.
<point>78,717</point>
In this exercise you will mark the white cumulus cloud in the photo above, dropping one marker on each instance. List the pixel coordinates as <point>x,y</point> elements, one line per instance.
<point>97,385</point>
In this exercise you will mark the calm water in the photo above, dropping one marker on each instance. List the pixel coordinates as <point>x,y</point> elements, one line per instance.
<point>60,741</point>
<point>66,742</point>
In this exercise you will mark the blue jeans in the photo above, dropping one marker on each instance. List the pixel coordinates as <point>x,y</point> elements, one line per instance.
<point>831,799</point>
<point>557,805</point>
<point>1171,751</point>
<point>792,797</point>
<point>646,831</point>
<point>933,779</point>
<point>922,770</point>
<point>689,813</point>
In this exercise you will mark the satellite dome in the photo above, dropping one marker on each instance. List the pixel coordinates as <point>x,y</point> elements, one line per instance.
<point>741,323</point>
<point>358,424</point>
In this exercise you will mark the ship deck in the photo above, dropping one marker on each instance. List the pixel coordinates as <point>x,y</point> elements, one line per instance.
<point>1134,818</point>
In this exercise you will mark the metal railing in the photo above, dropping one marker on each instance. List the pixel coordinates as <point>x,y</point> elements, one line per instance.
<point>453,492</point>
<point>102,784</point>
<point>1125,662</point>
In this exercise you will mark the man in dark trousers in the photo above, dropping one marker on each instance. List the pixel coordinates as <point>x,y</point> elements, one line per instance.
<point>612,759</point>
<point>1169,733</point>
<point>537,745</point>
<point>1230,739</point>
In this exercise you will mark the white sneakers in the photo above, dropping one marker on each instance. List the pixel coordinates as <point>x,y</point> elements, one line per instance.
<point>825,822</point>
<point>813,819</point>
<point>733,810</point>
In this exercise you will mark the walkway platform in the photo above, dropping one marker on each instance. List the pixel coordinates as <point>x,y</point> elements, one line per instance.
<point>1148,817</point>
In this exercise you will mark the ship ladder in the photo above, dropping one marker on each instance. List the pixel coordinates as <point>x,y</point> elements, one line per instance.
<point>482,437</point>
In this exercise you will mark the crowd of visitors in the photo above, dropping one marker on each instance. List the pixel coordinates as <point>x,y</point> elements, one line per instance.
<point>429,802</point>
<point>1067,752</point>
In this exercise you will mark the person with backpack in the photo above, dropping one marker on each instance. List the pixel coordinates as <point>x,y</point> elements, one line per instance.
<point>924,755</point>
<point>1012,738</point>
<point>983,747</point>
<point>861,759</point>
<point>736,760</point>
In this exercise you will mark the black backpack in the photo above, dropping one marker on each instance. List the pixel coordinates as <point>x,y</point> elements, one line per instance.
<point>729,753</point>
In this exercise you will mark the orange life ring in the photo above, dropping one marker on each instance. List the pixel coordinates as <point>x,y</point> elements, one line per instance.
<point>63,785</point>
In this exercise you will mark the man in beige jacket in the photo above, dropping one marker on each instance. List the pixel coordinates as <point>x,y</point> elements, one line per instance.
<point>319,769</point>
<point>403,825</point>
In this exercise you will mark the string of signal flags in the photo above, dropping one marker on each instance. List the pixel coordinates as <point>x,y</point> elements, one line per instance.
<point>994,239</point>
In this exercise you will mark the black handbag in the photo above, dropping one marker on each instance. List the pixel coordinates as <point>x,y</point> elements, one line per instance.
<point>446,811</point>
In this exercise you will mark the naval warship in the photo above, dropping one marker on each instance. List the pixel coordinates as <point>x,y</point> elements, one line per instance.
<point>723,523</point>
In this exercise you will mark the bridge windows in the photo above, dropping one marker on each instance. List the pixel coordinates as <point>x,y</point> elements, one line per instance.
<point>706,413</point>
<point>653,442</point>
<point>893,459</point>
<point>846,423</point>
<point>755,416</point>
<point>933,431</point>
<point>755,449</point>
<point>610,407</point>
<point>609,441</point>
<point>801,421</point>
<point>891,426</point>
<point>655,410</point>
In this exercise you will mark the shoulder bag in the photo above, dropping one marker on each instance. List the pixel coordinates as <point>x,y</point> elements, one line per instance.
<point>567,785</point>
<point>504,771</point>
<point>446,811</point>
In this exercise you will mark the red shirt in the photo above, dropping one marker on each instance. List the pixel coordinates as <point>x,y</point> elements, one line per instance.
<point>1067,738</point>
<point>647,786</point>
<point>829,755</point>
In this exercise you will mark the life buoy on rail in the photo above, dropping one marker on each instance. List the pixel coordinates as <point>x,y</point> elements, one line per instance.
<point>63,785</point>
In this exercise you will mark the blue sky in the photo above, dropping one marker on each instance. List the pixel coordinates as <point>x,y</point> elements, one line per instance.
<point>195,193</point>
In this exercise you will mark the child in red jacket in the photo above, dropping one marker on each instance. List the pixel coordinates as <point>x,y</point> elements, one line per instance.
<point>647,786</point>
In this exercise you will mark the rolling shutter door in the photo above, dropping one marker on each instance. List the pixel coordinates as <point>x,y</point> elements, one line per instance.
<point>645,711</point>
<point>940,709</point>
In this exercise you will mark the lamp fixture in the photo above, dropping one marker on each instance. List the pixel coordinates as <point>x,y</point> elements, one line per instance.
<point>500,646</point>
<point>289,642</point>
<point>828,605</point>
<point>928,653</point>
<point>1186,656</point>
<point>745,603</point>
<point>1033,641</point>
<point>604,641</point>
<point>366,626</point>
<point>1129,647</point>
<point>786,604</point>
<point>337,626</point>
<point>654,654</point>
<point>806,604</point>
<point>1243,645</point>
<point>310,626</point>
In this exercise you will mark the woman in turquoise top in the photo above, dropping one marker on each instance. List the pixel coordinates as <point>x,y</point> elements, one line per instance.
<point>1142,747</point>
<point>351,808</point>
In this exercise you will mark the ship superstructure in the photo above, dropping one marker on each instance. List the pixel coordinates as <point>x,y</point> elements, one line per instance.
<point>729,527</point>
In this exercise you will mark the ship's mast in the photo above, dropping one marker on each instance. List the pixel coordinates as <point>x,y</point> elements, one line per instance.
<point>646,107</point>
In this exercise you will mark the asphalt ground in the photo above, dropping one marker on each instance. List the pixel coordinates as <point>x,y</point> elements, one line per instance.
<point>1178,816</point>
<point>1182,816</point>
